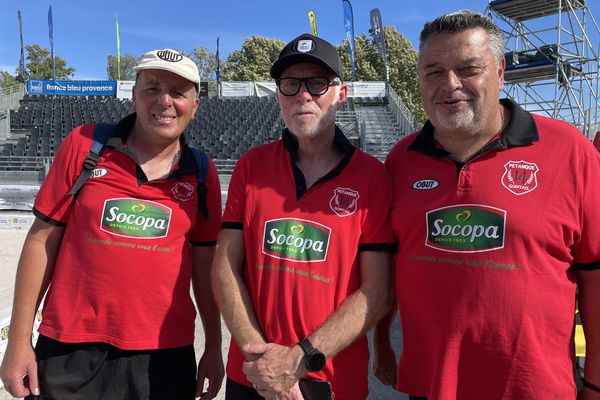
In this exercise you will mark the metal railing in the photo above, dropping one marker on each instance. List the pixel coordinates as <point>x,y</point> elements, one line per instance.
<point>348,121</point>
<point>15,164</point>
<point>407,121</point>
<point>10,97</point>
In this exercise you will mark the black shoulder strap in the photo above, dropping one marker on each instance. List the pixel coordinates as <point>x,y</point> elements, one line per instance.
<point>101,134</point>
<point>201,160</point>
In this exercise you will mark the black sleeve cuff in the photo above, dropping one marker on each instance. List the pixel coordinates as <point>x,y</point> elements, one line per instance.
<point>47,219</point>
<point>388,247</point>
<point>232,225</point>
<point>587,266</point>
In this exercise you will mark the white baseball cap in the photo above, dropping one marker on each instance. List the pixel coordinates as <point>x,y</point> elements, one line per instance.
<point>172,61</point>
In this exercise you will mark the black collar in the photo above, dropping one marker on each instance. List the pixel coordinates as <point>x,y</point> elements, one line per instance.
<point>520,131</point>
<point>291,145</point>
<point>187,163</point>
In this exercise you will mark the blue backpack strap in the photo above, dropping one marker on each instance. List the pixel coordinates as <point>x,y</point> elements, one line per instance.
<point>101,134</point>
<point>201,160</point>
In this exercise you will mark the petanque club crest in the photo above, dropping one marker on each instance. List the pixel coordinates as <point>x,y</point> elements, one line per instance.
<point>344,201</point>
<point>520,177</point>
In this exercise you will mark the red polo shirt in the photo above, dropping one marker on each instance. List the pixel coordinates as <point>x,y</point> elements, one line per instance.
<point>122,274</point>
<point>302,247</point>
<point>485,268</point>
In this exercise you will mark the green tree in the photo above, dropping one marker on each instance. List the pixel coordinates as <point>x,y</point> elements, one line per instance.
<point>402,65</point>
<point>39,64</point>
<point>128,61</point>
<point>253,61</point>
<point>206,62</point>
<point>7,81</point>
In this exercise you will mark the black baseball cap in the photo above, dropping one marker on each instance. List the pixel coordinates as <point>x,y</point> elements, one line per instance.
<point>309,49</point>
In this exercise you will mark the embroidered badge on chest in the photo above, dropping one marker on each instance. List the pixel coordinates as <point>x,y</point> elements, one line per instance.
<point>520,177</point>
<point>183,191</point>
<point>99,172</point>
<point>344,201</point>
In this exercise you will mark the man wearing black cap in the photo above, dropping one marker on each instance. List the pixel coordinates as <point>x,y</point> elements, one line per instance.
<point>302,268</point>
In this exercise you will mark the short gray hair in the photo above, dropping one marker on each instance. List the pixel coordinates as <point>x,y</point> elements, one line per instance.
<point>460,21</point>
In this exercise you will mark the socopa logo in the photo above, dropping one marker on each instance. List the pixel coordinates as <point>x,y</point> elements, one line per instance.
<point>296,240</point>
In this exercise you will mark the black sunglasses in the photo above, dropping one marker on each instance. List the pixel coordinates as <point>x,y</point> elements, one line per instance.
<point>316,86</point>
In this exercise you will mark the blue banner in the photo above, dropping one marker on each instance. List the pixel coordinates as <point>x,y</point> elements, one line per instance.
<point>22,58</point>
<point>218,71</point>
<point>51,34</point>
<point>349,25</point>
<point>377,31</point>
<point>72,88</point>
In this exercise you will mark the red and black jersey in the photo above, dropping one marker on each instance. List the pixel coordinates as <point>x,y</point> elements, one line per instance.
<point>302,246</point>
<point>485,267</point>
<point>122,274</point>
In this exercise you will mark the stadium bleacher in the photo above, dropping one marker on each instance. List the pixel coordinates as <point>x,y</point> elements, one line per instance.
<point>224,127</point>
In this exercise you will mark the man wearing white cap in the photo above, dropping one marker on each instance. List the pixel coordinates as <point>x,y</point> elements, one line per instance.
<point>118,257</point>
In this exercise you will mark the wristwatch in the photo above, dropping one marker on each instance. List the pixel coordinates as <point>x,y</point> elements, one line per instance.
<point>314,360</point>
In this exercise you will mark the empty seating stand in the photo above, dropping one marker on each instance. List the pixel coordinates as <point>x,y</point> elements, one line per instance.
<point>224,127</point>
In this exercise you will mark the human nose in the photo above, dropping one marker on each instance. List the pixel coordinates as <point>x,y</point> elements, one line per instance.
<point>165,99</point>
<point>451,81</point>
<point>303,93</point>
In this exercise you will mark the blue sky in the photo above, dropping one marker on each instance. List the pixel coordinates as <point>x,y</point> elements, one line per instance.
<point>84,30</point>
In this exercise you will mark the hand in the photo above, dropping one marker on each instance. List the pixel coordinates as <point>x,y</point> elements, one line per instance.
<point>292,393</point>
<point>210,368</point>
<point>19,371</point>
<point>275,371</point>
<point>384,364</point>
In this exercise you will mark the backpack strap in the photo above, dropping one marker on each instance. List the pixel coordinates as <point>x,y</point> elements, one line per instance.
<point>101,134</point>
<point>201,160</point>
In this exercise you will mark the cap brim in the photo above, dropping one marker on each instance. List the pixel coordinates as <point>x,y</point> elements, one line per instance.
<point>284,62</point>
<point>171,70</point>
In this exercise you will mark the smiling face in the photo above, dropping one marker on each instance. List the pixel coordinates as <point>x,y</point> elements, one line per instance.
<point>307,115</point>
<point>165,104</point>
<point>460,82</point>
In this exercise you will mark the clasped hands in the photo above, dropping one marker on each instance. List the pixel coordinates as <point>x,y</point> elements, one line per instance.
<point>274,370</point>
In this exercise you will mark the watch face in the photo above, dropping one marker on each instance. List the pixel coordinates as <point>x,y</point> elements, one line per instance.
<point>315,362</point>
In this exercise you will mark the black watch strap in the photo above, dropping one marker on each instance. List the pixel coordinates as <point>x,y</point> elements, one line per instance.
<point>314,360</point>
<point>306,346</point>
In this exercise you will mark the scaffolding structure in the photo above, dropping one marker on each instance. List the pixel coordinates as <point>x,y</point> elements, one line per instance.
<point>552,58</point>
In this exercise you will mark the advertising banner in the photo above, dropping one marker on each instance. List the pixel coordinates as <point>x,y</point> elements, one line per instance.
<point>366,89</point>
<point>349,26</point>
<point>72,88</point>
<point>237,89</point>
<point>124,89</point>
<point>51,35</point>
<point>312,18</point>
<point>379,39</point>
<point>18,197</point>
<point>263,89</point>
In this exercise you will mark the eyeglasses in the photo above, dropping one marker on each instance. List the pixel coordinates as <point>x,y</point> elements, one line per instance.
<point>315,85</point>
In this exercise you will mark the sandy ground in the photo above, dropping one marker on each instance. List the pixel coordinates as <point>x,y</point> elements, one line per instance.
<point>10,247</point>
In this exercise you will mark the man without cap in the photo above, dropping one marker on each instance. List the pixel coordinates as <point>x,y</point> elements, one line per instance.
<point>302,268</point>
<point>497,219</point>
<point>118,320</point>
